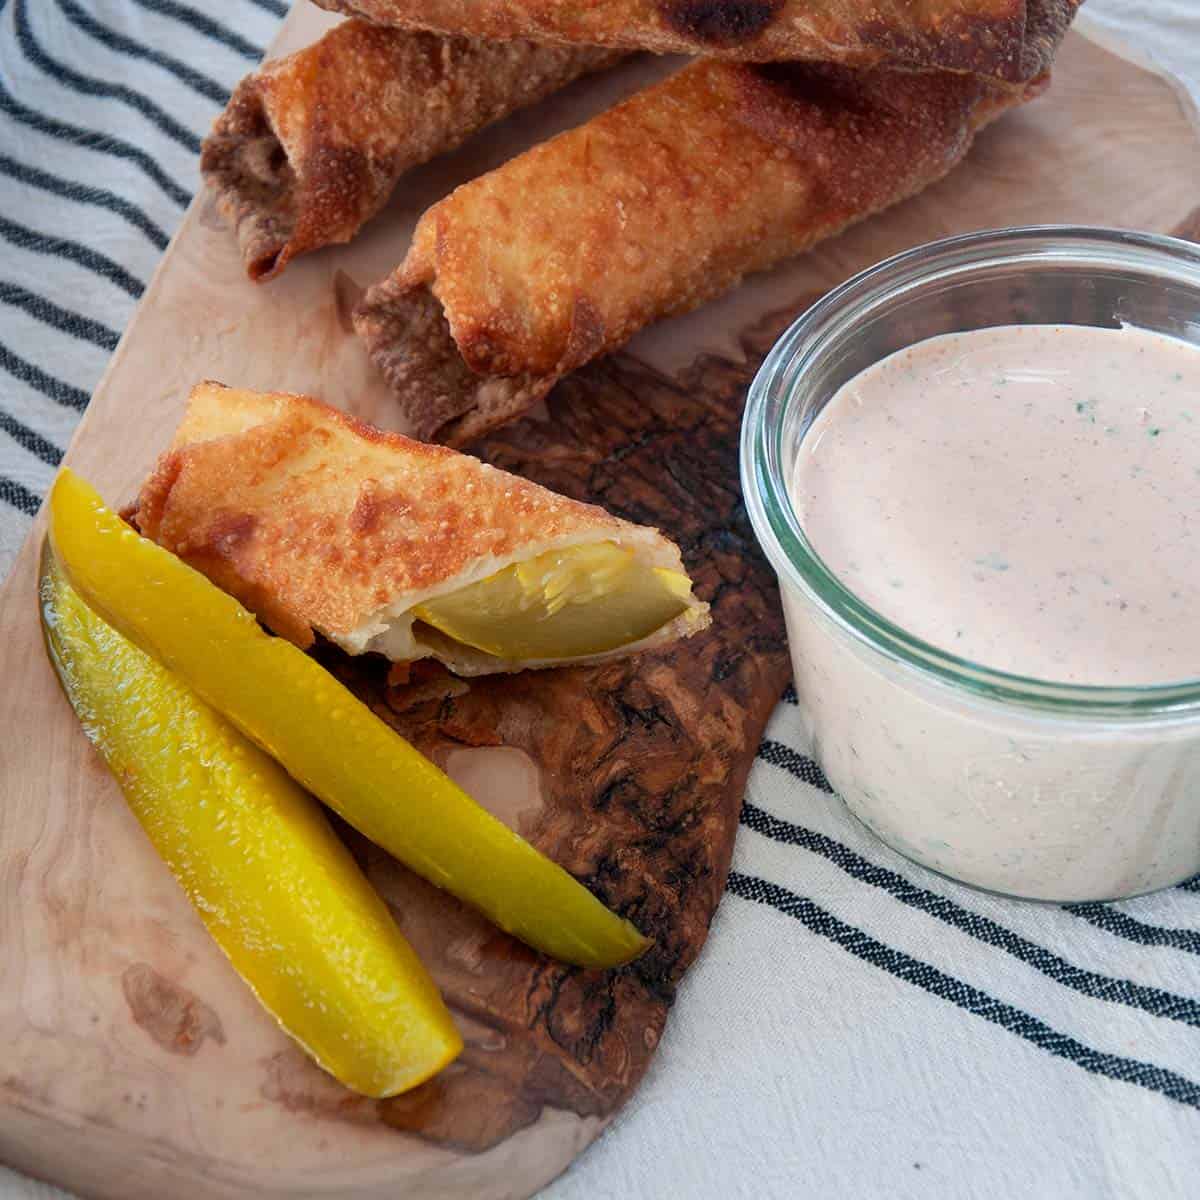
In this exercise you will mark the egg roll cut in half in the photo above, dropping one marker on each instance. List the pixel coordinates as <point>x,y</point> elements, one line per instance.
<point>311,146</point>
<point>321,524</point>
<point>649,209</point>
<point>1011,40</point>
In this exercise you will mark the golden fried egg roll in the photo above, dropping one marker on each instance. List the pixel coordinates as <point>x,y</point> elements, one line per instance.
<point>323,525</point>
<point>310,146</point>
<point>1011,40</point>
<point>649,209</point>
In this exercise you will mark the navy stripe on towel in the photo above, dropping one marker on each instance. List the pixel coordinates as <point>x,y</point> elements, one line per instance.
<point>1101,915</point>
<point>91,139</point>
<point>795,763</point>
<point>983,929</point>
<point>971,999</point>
<point>19,496</point>
<point>55,389</point>
<point>42,310</point>
<point>88,86</point>
<point>83,194</point>
<point>122,44</point>
<point>30,439</point>
<point>203,24</point>
<point>1105,917</point>
<point>276,7</point>
<point>84,256</point>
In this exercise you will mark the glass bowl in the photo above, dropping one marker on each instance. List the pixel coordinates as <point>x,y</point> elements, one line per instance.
<point>1017,785</point>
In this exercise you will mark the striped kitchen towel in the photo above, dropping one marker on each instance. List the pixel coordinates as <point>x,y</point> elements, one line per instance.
<point>856,1027</point>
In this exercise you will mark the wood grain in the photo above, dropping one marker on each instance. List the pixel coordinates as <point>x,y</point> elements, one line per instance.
<point>136,1063</point>
<point>640,788</point>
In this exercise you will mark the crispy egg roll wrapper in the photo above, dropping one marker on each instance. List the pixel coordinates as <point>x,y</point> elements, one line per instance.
<point>1012,40</point>
<point>310,146</point>
<point>649,209</point>
<point>323,525</point>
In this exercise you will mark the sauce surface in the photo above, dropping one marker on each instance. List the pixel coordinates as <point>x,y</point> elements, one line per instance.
<point>1026,497</point>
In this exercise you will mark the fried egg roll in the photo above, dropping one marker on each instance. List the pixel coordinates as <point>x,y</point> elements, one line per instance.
<point>323,525</point>
<point>310,146</point>
<point>647,210</point>
<point>1012,40</point>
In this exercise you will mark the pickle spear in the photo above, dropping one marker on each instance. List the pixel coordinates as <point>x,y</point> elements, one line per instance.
<point>325,737</point>
<point>276,888</point>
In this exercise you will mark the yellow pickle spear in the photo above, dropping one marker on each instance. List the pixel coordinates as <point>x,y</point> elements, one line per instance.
<point>272,882</point>
<point>325,737</point>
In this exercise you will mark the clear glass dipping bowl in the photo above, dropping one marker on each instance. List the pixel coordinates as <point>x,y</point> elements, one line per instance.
<point>1017,785</point>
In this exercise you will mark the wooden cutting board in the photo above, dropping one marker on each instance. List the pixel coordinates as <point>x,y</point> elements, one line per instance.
<point>136,1063</point>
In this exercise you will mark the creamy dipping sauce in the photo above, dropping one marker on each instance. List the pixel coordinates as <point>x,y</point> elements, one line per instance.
<point>1024,498</point>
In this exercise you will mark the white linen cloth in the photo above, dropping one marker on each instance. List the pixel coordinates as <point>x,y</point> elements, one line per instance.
<point>856,1026</point>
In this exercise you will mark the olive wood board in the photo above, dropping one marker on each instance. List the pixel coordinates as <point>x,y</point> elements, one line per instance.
<point>136,1062</point>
